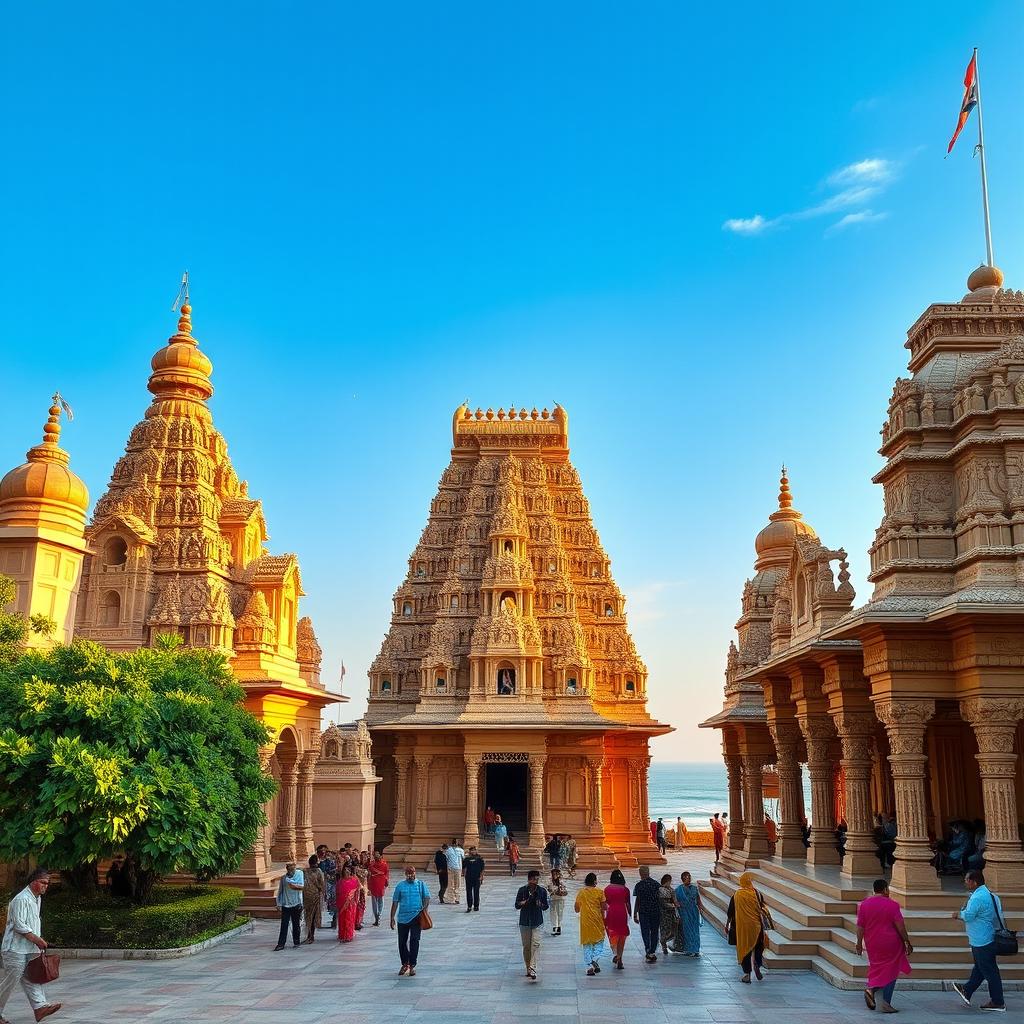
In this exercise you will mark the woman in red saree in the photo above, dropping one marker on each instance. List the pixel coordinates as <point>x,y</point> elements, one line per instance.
<point>348,902</point>
<point>881,929</point>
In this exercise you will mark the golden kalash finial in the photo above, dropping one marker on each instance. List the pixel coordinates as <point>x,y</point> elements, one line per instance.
<point>785,497</point>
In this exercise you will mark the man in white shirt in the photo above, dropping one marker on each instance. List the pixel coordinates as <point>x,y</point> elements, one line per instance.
<point>289,899</point>
<point>455,855</point>
<point>21,943</point>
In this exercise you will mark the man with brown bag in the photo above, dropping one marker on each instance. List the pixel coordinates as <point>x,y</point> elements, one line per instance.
<point>22,943</point>
<point>409,903</point>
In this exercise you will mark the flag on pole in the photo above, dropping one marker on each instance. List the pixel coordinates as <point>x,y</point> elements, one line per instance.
<point>341,678</point>
<point>64,405</point>
<point>970,100</point>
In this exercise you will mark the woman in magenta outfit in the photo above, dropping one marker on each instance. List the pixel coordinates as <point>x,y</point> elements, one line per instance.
<point>617,914</point>
<point>880,928</point>
<point>348,903</point>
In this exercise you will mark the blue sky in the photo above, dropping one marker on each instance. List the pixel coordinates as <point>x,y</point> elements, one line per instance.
<point>390,209</point>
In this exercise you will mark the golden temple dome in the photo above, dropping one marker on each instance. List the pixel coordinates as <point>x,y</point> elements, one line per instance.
<point>180,370</point>
<point>43,491</point>
<point>775,542</point>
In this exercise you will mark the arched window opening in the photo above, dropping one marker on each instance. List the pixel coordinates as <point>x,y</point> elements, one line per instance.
<point>115,552</point>
<point>801,597</point>
<point>508,596</point>
<point>407,609</point>
<point>454,603</point>
<point>630,686</point>
<point>608,609</point>
<point>110,609</point>
<point>385,686</point>
<point>506,681</point>
<point>570,684</point>
<point>439,682</point>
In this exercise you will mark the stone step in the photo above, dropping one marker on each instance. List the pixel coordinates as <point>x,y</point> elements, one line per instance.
<point>790,907</point>
<point>822,880</point>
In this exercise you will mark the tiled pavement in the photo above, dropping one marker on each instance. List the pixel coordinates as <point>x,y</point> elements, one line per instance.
<point>470,970</point>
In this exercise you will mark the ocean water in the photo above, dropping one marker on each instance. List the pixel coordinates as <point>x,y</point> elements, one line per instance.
<point>692,792</point>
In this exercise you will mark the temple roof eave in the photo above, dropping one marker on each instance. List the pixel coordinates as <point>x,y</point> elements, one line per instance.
<point>807,649</point>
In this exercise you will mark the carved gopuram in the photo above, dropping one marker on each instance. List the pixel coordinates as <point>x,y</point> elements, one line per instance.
<point>508,677</point>
<point>912,704</point>
<point>177,546</point>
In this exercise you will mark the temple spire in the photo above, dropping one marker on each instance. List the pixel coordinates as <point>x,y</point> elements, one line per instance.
<point>785,497</point>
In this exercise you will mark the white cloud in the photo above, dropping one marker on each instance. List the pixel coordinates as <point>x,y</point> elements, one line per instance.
<point>852,186</point>
<point>867,104</point>
<point>873,169</point>
<point>747,225</point>
<point>860,217</point>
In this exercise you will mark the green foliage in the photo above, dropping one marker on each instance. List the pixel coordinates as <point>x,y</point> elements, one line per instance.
<point>149,753</point>
<point>13,626</point>
<point>175,916</point>
<point>42,624</point>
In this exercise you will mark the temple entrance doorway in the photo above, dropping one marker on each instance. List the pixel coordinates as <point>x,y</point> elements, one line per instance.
<point>507,791</point>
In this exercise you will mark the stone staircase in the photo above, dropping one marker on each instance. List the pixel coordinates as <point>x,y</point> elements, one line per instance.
<point>815,915</point>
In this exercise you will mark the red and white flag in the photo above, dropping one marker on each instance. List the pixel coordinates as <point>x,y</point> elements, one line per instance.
<point>970,100</point>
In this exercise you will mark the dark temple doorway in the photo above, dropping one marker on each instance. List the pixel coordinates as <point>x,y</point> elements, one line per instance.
<point>507,790</point>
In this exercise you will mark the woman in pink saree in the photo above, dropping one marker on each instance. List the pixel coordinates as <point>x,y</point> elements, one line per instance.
<point>880,928</point>
<point>348,902</point>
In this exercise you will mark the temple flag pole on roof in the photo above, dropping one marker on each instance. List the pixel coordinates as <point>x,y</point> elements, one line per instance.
<point>182,297</point>
<point>972,99</point>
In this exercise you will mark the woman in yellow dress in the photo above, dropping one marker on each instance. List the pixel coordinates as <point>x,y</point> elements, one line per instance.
<point>746,920</point>
<point>590,906</point>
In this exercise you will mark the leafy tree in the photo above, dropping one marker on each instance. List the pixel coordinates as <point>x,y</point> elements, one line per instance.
<point>149,753</point>
<point>14,627</point>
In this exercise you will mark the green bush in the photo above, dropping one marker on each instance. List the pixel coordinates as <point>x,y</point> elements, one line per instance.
<point>176,916</point>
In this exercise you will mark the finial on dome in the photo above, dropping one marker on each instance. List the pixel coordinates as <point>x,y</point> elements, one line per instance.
<point>985,276</point>
<point>785,497</point>
<point>51,429</point>
<point>182,303</point>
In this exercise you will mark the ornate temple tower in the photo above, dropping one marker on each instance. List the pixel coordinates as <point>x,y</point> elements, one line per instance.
<point>178,547</point>
<point>42,526</point>
<point>508,677</point>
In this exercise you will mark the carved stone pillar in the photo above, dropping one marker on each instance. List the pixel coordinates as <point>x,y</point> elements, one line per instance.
<point>595,765</point>
<point>304,840</point>
<point>402,763</point>
<point>734,769</point>
<point>857,735</point>
<point>905,721</point>
<point>755,838</point>
<point>419,820</point>
<point>995,726</point>
<point>472,829</point>
<point>645,767</point>
<point>786,736</point>
<point>818,734</point>
<point>536,837</point>
<point>284,836</point>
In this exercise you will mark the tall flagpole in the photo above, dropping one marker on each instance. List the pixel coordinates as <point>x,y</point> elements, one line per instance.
<point>984,172</point>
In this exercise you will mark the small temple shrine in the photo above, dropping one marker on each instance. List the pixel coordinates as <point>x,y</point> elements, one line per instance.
<point>906,711</point>
<point>508,678</point>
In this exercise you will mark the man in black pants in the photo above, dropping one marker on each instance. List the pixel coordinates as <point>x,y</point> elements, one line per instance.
<point>289,900</point>
<point>441,867</point>
<point>473,868</point>
<point>647,911</point>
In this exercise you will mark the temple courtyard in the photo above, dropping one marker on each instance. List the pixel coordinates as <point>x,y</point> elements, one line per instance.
<point>470,970</point>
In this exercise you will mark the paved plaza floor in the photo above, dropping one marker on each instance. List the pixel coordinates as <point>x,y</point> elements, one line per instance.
<point>470,970</point>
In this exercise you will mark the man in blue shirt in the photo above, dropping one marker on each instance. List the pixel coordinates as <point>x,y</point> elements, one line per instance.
<point>409,898</point>
<point>289,899</point>
<point>531,902</point>
<point>981,917</point>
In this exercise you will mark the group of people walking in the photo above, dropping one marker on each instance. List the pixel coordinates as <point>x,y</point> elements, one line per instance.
<point>339,884</point>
